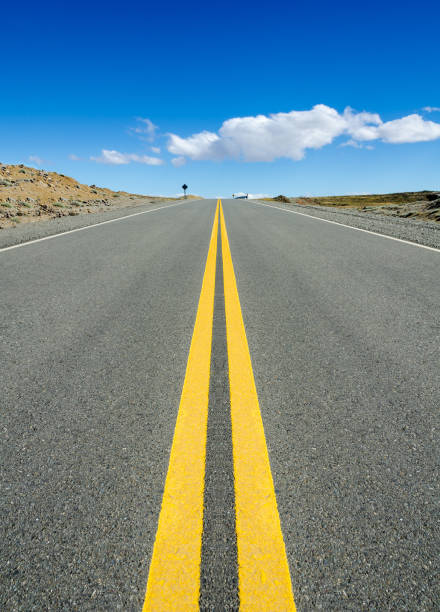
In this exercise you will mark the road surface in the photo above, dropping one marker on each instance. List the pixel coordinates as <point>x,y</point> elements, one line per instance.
<point>326,336</point>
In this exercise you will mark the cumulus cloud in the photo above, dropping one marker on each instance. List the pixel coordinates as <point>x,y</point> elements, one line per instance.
<point>266,138</point>
<point>431,109</point>
<point>178,161</point>
<point>412,128</point>
<point>156,150</point>
<point>145,130</point>
<point>74,157</point>
<point>116,158</point>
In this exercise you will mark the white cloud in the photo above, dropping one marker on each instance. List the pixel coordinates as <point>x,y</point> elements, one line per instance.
<point>199,146</point>
<point>356,145</point>
<point>266,138</point>
<point>178,161</point>
<point>352,143</point>
<point>74,157</point>
<point>36,160</point>
<point>146,130</point>
<point>361,126</point>
<point>412,128</point>
<point>156,150</point>
<point>431,109</point>
<point>117,159</point>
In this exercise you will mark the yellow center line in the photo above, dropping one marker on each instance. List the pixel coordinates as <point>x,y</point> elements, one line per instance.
<point>174,576</point>
<point>264,579</point>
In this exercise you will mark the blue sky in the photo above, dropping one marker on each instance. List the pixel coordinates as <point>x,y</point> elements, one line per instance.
<point>79,80</point>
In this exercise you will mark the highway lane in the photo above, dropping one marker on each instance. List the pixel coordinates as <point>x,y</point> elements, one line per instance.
<point>96,327</point>
<point>344,333</point>
<point>344,339</point>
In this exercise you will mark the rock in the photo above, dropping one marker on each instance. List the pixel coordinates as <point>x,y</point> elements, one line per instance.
<point>433,203</point>
<point>432,196</point>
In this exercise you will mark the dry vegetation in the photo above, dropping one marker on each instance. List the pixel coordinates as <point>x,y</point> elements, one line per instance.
<point>418,204</point>
<point>28,194</point>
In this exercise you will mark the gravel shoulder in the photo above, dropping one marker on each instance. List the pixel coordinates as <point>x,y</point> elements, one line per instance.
<point>413,230</point>
<point>40,229</point>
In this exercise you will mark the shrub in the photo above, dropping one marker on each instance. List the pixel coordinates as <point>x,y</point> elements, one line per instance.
<point>432,196</point>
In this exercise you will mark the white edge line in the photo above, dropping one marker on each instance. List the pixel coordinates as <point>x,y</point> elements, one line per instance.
<point>358,229</point>
<point>79,229</point>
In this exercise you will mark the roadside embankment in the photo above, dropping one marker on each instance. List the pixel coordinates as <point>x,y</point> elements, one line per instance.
<point>25,232</point>
<point>29,194</point>
<point>423,205</point>
<point>412,228</point>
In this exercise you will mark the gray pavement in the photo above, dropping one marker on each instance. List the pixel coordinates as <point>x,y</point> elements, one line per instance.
<point>96,328</point>
<point>343,329</point>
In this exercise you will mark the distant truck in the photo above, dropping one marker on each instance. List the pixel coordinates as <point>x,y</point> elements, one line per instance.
<point>240,197</point>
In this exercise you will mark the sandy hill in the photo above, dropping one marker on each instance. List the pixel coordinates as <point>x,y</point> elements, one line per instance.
<point>29,194</point>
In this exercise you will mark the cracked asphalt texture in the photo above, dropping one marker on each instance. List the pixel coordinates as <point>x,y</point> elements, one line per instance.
<point>343,329</point>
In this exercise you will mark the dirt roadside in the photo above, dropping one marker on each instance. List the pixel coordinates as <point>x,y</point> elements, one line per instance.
<point>420,205</point>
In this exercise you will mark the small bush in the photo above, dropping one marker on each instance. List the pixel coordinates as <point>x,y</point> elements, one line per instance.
<point>6,204</point>
<point>432,196</point>
<point>59,204</point>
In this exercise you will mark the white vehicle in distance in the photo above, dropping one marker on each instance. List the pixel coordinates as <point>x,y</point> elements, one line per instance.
<point>240,196</point>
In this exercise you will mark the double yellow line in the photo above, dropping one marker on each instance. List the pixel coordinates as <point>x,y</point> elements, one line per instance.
<point>263,572</point>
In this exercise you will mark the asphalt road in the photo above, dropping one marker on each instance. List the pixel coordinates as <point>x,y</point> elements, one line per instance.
<point>343,330</point>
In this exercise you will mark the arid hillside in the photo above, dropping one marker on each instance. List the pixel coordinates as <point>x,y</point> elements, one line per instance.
<point>29,194</point>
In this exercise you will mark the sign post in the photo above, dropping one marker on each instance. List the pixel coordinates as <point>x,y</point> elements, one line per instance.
<point>184,187</point>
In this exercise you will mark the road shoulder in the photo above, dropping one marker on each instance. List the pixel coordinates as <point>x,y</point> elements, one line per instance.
<point>40,229</point>
<point>426,233</point>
